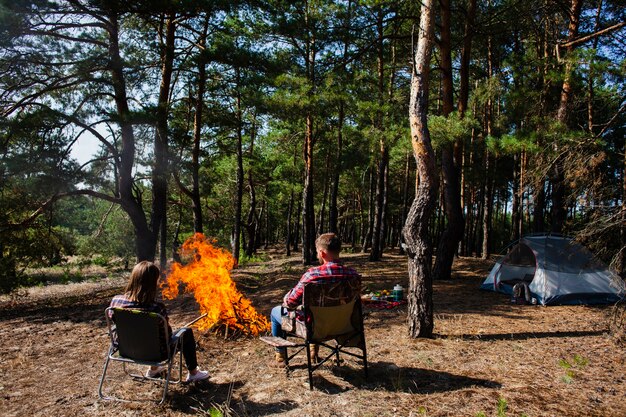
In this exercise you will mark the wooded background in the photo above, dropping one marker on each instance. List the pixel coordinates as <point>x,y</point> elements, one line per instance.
<point>269,122</point>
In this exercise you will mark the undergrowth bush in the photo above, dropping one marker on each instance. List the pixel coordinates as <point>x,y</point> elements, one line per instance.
<point>617,322</point>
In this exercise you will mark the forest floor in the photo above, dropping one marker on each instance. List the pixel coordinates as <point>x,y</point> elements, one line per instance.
<point>488,357</point>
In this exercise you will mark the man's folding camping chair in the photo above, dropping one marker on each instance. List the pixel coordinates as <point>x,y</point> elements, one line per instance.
<point>139,337</point>
<point>332,318</point>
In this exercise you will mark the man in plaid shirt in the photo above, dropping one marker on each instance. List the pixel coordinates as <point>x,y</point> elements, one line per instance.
<point>328,247</point>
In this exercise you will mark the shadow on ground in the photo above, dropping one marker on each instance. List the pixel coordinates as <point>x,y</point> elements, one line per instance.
<point>525,335</point>
<point>200,397</point>
<point>390,377</point>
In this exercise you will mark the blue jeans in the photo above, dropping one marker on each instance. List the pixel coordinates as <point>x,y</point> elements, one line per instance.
<point>276,318</point>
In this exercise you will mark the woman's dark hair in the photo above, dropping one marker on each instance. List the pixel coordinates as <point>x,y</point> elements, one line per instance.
<point>142,286</point>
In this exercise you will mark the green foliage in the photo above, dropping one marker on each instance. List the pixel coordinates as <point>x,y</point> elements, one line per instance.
<point>501,407</point>
<point>270,65</point>
<point>254,259</point>
<point>215,412</point>
<point>111,235</point>
<point>10,277</point>
<point>571,367</point>
<point>446,130</point>
<point>100,260</point>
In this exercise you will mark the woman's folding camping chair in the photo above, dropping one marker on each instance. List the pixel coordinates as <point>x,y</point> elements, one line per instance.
<point>139,337</point>
<point>332,318</point>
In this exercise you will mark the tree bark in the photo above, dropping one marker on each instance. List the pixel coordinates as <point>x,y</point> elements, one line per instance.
<point>515,199</point>
<point>405,200</point>
<point>367,235</point>
<point>466,54</point>
<point>308,214</point>
<point>161,158</point>
<point>333,212</point>
<point>308,208</point>
<point>486,220</point>
<point>621,264</point>
<point>145,239</point>
<point>196,203</point>
<point>288,238</point>
<point>590,77</point>
<point>252,220</point>
<point>419,248</point>
<point>322,212</point>
<point>240,175</point>
<point>383,161</point>
<point>559,212</point>
<point>453,233</point>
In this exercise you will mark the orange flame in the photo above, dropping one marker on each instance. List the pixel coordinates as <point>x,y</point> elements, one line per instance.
<point>208,277</point>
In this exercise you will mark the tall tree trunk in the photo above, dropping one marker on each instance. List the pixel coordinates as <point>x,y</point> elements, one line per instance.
<point>375,253</point>
<point>621,264</point>
<point>487,209</point>
<point>487,190</point>
<point>322,220</point>
<point>522,184</point>
<point>377,230</point>
<point>308,215</point>
<point>384,223</point>
<point>160,170</point>
<point>539,198</point>
<point>515,197</point>
<point>466,53</point>
<point>235,240</point>
<point>145,239</point>
<point>308,208</point>
<point>289,232</point>
<point>297,228</point>
<point>590,92</point>
<point>252,220</point>
<point>334,193</point>
<point>196,203</point>
<point>367,229</point>
<point>419,247</point>
<point>559,212</point>
<point>405,200</point>
<point>453,233</point>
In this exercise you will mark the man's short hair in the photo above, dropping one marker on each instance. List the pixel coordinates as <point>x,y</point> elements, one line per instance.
<point>328,242</point>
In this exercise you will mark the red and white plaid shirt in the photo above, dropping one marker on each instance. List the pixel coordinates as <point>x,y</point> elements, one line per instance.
<point>332,271</point>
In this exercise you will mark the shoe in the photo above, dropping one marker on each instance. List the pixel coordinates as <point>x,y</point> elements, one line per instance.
<point>198,376</point>
<point>279,360</point>
<point>155,373</point>
<point>315,354</point>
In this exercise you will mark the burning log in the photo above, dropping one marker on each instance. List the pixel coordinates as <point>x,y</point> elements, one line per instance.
<point>195,320</point>
<point>207,276</point>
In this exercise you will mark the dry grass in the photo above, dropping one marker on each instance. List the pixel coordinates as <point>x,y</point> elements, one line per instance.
<point>488,356</point>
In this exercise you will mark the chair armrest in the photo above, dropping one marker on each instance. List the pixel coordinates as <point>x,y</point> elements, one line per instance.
<point>179,333</point>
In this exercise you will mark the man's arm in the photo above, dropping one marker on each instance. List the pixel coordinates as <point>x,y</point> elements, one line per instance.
<point>294,297</point>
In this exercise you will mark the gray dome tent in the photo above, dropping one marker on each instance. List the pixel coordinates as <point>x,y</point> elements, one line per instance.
<point>557,270</point>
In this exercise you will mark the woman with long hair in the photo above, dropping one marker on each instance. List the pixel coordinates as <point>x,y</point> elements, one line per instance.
<point>140,294</point>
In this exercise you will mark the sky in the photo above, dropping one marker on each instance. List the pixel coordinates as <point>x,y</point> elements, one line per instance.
<point>84,148</point>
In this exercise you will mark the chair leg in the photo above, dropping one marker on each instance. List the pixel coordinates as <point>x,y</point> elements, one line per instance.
<point>309,365</point>
<point>104,372</point>
<point>167,381</point>
<point>365,360</point>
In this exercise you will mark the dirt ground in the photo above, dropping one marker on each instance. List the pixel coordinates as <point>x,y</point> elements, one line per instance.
<point>488,357</point>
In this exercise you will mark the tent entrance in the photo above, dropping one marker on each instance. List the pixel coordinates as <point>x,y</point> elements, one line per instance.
<point>518,266</point>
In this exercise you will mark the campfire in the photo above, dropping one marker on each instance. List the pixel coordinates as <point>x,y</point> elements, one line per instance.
<point>207,276</point>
